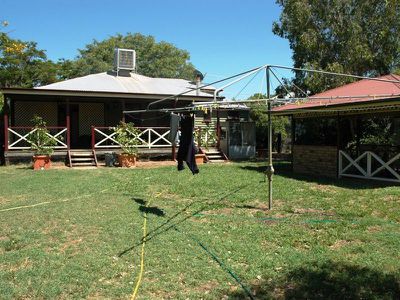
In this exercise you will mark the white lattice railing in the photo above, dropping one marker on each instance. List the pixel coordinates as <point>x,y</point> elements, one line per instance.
<point>149,137</point>
<point>206,136</point>
<point>18,137</point>
<point>368,165</point>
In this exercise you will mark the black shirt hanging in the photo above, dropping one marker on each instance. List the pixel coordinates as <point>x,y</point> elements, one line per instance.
<point>187,149</point>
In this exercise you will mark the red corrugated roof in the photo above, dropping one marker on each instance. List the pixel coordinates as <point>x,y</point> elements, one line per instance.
<point>357,92</point>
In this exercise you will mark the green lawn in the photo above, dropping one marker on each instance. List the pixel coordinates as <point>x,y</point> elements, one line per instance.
<point>210,236</point>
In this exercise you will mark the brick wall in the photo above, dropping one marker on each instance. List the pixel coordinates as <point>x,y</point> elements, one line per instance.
<point>315,160</point>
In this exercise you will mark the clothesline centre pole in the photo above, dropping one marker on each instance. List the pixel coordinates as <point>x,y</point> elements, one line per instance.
<point>270,168</point>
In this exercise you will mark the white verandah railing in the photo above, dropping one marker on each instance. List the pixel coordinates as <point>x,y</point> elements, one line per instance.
<point>18,137</point>
<point>369,165</point>
<point>206,136</point>
<point>149,137</point>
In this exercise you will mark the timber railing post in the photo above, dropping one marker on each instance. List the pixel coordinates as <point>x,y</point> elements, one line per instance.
<point>93,137</point>
<point>369,164</point>
<point>340,164</point>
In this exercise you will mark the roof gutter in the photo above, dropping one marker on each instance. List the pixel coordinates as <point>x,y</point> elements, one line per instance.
<point>341,107</point>
<point>50,92</point>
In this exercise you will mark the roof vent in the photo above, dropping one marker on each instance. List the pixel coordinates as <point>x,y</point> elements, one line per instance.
<point>124,59</point>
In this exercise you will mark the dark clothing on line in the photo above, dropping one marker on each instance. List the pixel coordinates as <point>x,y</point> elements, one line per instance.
<point>187,150</point>
<point>174,126</point>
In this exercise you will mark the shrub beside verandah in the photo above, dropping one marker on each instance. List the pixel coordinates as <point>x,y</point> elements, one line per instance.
<point>126,134</point>
<point>42,144</point>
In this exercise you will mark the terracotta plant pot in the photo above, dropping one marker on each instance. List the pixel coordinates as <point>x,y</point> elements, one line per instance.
<point>41,162</point>
<point>199,158</point>
<point>127,160</point>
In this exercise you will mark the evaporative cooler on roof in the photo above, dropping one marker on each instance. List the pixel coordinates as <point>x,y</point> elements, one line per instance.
<point>124,59</point>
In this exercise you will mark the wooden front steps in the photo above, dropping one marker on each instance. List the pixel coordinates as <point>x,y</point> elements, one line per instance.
<point>214,155</point>
<point>82,158</point>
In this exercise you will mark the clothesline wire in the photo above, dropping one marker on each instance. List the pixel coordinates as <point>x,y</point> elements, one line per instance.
<point>147,119</point>
<point>268,67</point>
<point>218,105</point>
<point>297,87</point>
<point>281,83</point>
<point>201,87</point>
<point>245,86</point>
<point>334,74</point>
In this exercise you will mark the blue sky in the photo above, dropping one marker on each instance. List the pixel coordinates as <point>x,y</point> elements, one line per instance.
<point>223,37</point>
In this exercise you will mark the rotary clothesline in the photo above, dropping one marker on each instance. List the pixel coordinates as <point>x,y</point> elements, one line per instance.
<point>268,101</point>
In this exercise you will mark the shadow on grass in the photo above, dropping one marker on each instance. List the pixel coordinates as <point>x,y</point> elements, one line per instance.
<point>148,209</point>
<point>328,280</point>
<point>152,210</point>
<point>171,223</point>
<point>284,169</point>
<point>139,201</point>
<point>252,207</point>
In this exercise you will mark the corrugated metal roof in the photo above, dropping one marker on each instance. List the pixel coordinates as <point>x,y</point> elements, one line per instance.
<point>135,84</point>
<point>357,92</point>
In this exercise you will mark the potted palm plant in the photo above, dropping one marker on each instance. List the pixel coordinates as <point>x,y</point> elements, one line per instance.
<point>126,134</point>
<point>41,143</point>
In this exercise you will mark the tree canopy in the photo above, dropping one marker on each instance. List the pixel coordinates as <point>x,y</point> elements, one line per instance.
<point>348,36</point>
<point>258,113</point>
<point>23,65</point>
<point>154,59</point>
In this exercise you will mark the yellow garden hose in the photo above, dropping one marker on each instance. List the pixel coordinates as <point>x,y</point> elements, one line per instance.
<point>139,278</point>
<point>144,238</point>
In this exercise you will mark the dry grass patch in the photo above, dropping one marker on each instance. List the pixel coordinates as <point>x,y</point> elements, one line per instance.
<point>344,243</point>
<point>319,212</point>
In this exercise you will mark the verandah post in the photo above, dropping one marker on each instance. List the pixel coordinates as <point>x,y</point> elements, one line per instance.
<point>68,123</point>
<point>6,110</point>
<point>218,131</point>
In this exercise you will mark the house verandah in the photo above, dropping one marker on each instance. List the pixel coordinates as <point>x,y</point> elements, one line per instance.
<point>83,121</point>
<point>345,135</point>
<point>348,145</point>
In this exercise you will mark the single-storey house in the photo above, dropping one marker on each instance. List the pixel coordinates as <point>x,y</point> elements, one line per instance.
<point>349,131</point>
<point>81,112</point>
